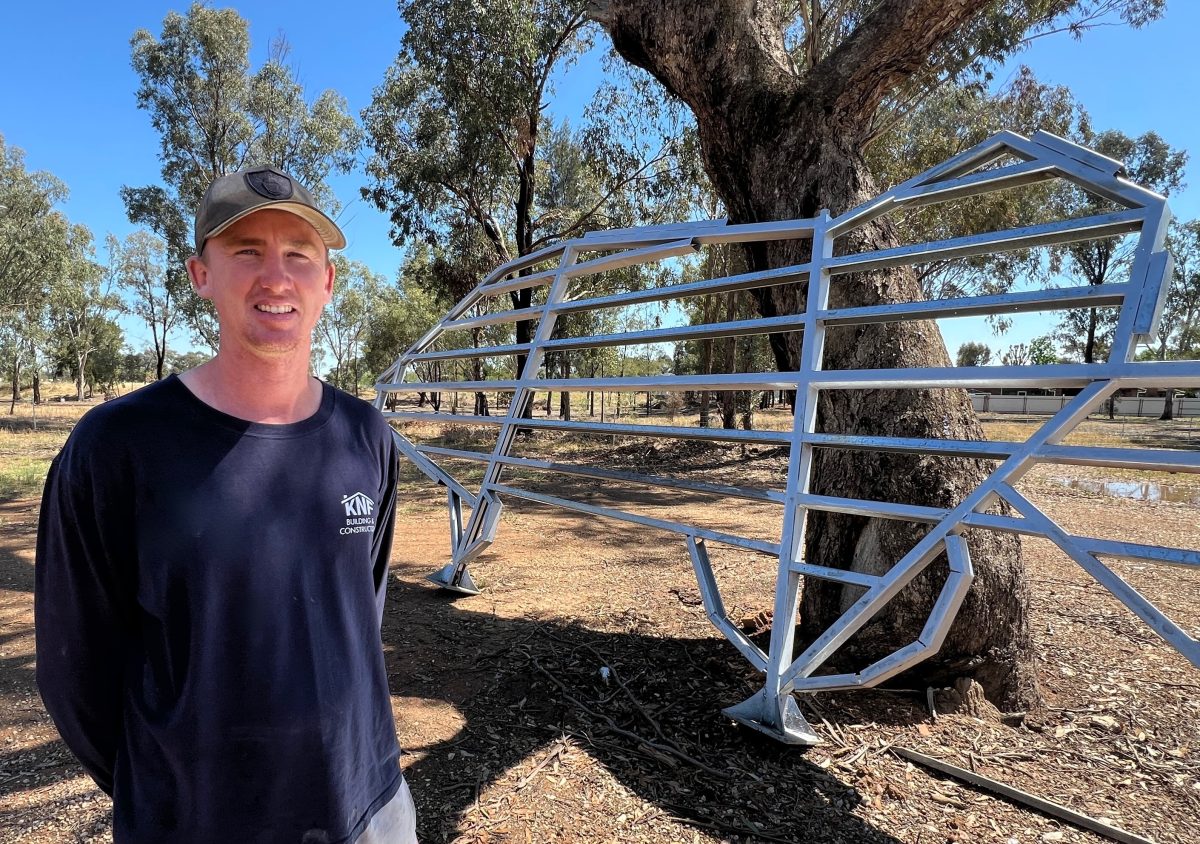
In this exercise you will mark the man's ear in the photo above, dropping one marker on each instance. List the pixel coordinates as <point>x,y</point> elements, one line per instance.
<point>197,271</point>
<point>330,275</point>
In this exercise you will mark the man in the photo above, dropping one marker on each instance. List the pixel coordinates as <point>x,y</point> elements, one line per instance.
<point>211,562</point>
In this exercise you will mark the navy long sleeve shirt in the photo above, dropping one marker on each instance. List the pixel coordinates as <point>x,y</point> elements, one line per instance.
<point>208,601</point>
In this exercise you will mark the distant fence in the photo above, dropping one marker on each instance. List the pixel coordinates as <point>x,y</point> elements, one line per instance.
<point>51,413</point>
<point>1048,405</point>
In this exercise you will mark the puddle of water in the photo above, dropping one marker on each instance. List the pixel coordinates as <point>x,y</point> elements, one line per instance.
<point>1133,490</point>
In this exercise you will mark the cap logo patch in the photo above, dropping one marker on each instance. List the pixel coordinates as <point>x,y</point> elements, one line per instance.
<point>270,184</point>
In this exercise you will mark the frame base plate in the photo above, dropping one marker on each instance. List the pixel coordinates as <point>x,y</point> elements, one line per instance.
<point>779,719</point>
<point>445,578</point>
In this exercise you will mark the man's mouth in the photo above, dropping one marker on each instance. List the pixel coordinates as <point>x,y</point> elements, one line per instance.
<point>275,309</point>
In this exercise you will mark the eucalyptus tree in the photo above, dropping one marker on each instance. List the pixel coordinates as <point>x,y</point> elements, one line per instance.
<point>35,252</point>
<point>214,114</point>
<point>399,316</point>
<point>973,354</point>
<point>463,149</point>
<point>22,335</point>
<point>953,118</point>
<point>784,111</point>
<point>178,362</point>
<point>139,267</point>
<point>137,366</point>
<point>457,123</point>
<point>80,307</point>
<point>33,234</point>
<point>343,325</point>
<point>105,363</point>
<point>1179,327</point>
<point>1150,162</point>
<point>1042,350</point>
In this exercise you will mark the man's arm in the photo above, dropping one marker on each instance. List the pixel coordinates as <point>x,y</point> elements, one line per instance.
<point>385,523</point>
<point>79,624</point>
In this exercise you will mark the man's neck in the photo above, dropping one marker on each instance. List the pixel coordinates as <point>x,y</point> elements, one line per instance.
<point>276,392</point>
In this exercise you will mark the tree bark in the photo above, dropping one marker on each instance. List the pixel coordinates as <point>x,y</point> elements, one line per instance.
<point>778,144</point>
<point>1168,406</point>
<point>1089,348</point>
<point>80,376</point>
<point>16,385</point>
<point>564,398</point>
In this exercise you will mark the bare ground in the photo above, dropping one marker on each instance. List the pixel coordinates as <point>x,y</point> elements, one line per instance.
<point>513,735</point>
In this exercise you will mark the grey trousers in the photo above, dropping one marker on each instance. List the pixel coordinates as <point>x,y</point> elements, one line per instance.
<point>394,823</point>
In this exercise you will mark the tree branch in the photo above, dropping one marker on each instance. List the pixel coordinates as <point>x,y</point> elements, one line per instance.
<point>892,44</point>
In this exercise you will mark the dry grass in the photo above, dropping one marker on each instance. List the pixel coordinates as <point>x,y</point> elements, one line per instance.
<point>31,435</point>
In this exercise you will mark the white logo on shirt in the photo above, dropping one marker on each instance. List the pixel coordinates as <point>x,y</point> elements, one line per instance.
<point>359,508</point>
<point>358,504</point>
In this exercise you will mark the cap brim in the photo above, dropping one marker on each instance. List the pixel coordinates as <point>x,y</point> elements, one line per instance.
<point>330,234</point>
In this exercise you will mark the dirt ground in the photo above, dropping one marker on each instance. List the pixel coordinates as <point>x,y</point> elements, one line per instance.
<point>513,733</point>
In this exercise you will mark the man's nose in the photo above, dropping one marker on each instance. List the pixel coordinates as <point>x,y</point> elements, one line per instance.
<point>273,273</point>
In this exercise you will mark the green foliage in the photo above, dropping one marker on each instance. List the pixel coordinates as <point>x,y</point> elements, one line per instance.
<point>463,153</point>
<point>141,271</point>
<point>455,125</point>
<point>399,317</point>
<point>1178,335</point>
<point>815,31</point>
<point>139,367</point>
<point>80,313</point>
<point>178,362</point>
<point>33,235</point>
<point>344,323</point>
<point>751,353</point>
<point>155,208</point>
<point>106,361</point>
<point>956,117</point>
<point>1149,162</point>
<point>643,147</point>
<point>973,354</point>
<point>52,300</point>
<point>1042,351</point>
<point>952,119</point>
<point>214,116</point>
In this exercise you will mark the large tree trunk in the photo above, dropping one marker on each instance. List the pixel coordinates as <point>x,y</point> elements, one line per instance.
<point>781,145</point>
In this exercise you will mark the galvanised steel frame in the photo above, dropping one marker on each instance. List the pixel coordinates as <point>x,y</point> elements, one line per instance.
<point>1004,161</point>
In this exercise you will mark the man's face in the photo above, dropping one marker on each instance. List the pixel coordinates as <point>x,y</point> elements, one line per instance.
<point>269,277</point>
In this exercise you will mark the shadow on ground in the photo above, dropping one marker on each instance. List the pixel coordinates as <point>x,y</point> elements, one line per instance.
<point>519,685</point>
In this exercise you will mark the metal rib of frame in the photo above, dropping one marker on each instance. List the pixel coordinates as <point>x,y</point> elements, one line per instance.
<point>773,710</point>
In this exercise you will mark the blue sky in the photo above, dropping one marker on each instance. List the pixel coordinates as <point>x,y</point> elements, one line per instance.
<point>68,98</point>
